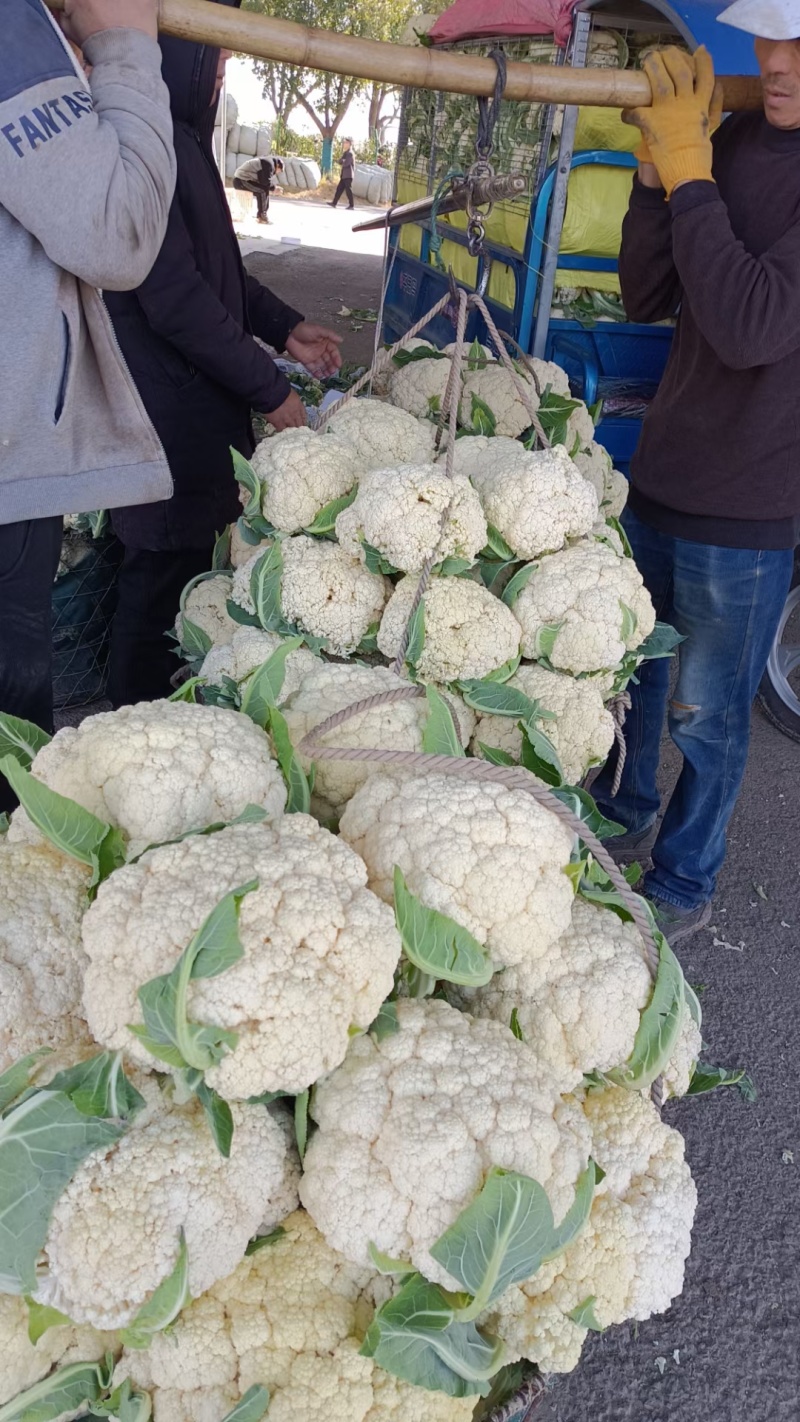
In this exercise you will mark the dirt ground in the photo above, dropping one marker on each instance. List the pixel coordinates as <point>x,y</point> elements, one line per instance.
<point>319,283</point>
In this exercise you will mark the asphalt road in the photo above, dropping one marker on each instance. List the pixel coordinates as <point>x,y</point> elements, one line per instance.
<point>729,1348</point>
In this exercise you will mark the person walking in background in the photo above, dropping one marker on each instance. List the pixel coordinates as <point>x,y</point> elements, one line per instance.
<point>348,165</point>
<point>188,335</point>
<point>86,181</point>
<point>257,176</point>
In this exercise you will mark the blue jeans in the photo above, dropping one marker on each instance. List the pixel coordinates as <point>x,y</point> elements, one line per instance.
<point>727,603</point>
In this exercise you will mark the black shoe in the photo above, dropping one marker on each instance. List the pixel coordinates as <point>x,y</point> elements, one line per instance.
<point>636,844</point>
<point>331,204</point>
<point>676,923</point>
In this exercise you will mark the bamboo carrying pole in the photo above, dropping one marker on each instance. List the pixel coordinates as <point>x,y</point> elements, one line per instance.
<point>416,67</point>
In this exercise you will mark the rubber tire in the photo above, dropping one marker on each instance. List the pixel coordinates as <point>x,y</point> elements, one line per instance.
<point>769,699</point>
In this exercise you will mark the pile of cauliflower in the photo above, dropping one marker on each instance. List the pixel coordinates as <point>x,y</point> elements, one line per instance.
<point>284,1040</point>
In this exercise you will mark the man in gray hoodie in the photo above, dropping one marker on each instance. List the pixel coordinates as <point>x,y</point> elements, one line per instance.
<point>74,435</point>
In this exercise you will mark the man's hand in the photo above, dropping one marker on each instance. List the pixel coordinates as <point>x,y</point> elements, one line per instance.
<point>315,347</point>
<point>291,415</point>
<point>84,18</point>
<point>686,108</point>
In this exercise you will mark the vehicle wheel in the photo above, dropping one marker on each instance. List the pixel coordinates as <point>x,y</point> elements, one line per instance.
<point>779,692</point>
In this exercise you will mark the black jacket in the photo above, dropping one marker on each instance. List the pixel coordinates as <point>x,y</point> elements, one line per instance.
<point>348,161</point>
<point>187,332</point>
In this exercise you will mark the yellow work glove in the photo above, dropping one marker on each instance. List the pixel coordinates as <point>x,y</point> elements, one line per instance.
<point>685,111</point>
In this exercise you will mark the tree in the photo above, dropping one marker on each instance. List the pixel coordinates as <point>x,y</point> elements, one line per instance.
<point>326,98</point>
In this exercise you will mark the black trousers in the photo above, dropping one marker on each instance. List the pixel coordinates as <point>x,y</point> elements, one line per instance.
<point>261,194</point>
<point>142,658</point>
<point>345,186</point>
<point>29,555</point>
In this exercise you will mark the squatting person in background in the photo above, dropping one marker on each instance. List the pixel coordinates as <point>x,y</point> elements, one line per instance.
<point>188,336</point>
<point>712,233</point>
<point>257,176</point>
<point>86,180</point>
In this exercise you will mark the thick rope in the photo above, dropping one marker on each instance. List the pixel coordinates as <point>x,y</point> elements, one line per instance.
<point>619,708</point>
<point>512,777</point>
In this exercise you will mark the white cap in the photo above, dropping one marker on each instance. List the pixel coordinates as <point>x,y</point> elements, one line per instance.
<point>769,19</point>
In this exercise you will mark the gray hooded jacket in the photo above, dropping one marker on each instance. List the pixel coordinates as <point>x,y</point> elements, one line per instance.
<point>86,181</point>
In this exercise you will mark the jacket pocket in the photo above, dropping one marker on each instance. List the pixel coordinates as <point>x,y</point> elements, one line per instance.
<point>66,369</point>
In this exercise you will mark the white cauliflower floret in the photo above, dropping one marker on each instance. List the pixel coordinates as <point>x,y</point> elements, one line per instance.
<point>678,1073</point>
<point>491,858</point>
<point>42,962</point>
<point>468,632</point>
<point>159,769</point>
<point>325,590</point>
<point>291,1317</point>
<point>487,354</point>
<point>580,426</point>
<point>582,733</point>
<point>535,503</point>
<point>401,511</point>
<point>552,375</point>
<point>410,1127</point>
<point>207,607</point>
<point>476,453</point>
<point>242,551</point>
<point>630,1257</point>
<point>497,388</point>
<point>320,950</point>
<point>115,1231</point>
<point>580,1004</point>
<point>301,472</point>
<point>610,486</point>
<point>419,386</point>
<point>25,1363</point>
<point>577,600</point>
<point>330,687</point>
<point>250,648</point>
<point>383,435</point>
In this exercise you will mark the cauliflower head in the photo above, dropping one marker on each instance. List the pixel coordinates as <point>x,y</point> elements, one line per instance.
<point>383,435</point>
<point>320,950</point>
<point>25,1363</point>
<point>535,503</point>
<point>114,1233</point>
<point>207,607</point>
<point>330,687</point>
<point>475,454</point>
<point>579,1004</point>
<point>492,859</point>
<point>249,649</point>
<point>325,591</point>
<point>410,1127</point>
<point>588,604</point>
<point>497,388</point>
<point>242,551</point>
<point>630,1257</point>
<point>468,632</point>
<point>42,962</point>
<point>301,472</point>
<point>159,769</point>
<point>412,513</point>
<point>291,1317</point>
<point>580,427</point>
<point>611,487</point>
<point>419,386</point>
<point>582,733</point>
<point>678,1073</point>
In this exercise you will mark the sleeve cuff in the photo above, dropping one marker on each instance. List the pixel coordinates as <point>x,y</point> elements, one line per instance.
<point>123,46</point>
<point>647,197</point>
<point>289,319</point>
<point>695,194</point>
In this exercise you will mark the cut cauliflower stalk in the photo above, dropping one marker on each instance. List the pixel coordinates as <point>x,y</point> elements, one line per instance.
<point>582,733</point>
<point>115,1230</point>
<point>401,513</point>
<point>468,632</point>
<point>300,472</point>
<point>159,769</point>
<point>492,859</point>
<point>320,950</point>
<point>291,1318</point>
<point>588,604</point>
<point>419,1119</point>
<point>328,688</point>
<point>382,435</point>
